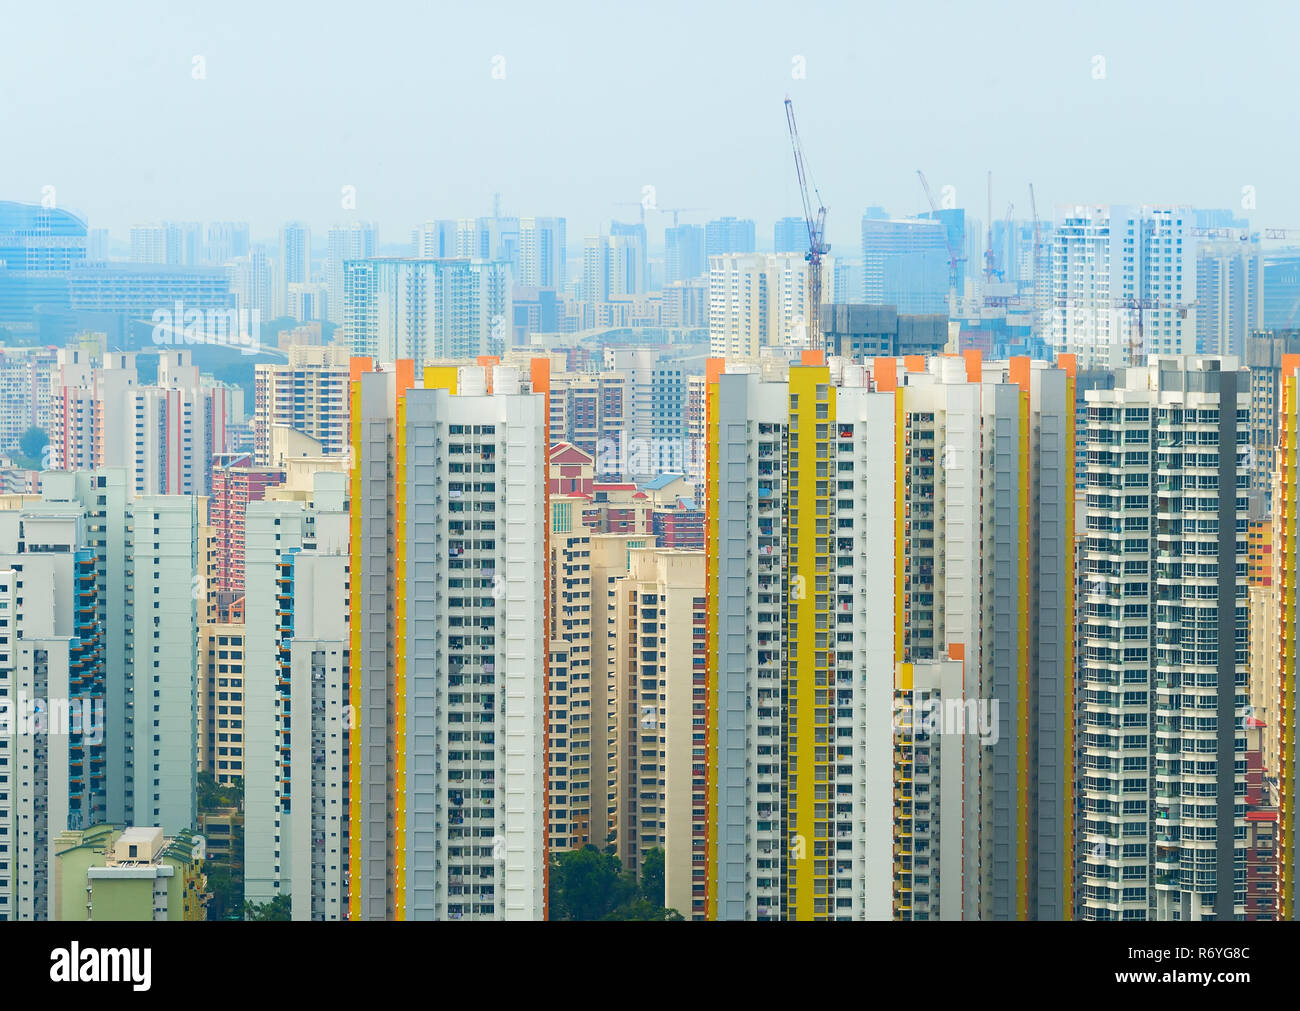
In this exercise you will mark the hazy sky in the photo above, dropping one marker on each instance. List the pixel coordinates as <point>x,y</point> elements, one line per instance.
<point>598,100</point>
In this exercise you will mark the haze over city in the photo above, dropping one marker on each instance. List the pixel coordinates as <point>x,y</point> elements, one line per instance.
<point>594,101</point>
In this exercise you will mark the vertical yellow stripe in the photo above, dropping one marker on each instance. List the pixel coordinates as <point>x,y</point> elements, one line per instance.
<point>1022,666</point>
<point>809,689</point>
<point>354,647</point>
<point>711,650</point>
<point>1067,801</point>
<point>1290,419</point>
<point>900,499</point>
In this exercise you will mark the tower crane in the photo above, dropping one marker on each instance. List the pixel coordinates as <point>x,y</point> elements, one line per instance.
<point>675,211</point>
<point>1037,257</point>
<point>816,222</point>
<point>954,261</point>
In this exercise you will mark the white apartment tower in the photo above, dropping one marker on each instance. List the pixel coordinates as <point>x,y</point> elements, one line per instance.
<point>759,300</point>
<point>1123,283</point>
<point>296,719</point>
<point>1164,627</point>
<point>448,646</point>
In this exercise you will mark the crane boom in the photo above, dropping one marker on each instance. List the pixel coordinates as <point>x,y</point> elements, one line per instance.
<point>816,222</point>
<point>1037,261</point>
<point>954,261</point>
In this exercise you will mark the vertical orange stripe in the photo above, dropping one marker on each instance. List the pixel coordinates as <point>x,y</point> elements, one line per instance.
<point>539,371</point>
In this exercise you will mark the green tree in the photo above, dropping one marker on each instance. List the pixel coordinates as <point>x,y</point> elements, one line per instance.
<point>644,909</point>
<point>652,876</point>
<point>33,443</point>
<point>587,884</point>
<point>279,908</point>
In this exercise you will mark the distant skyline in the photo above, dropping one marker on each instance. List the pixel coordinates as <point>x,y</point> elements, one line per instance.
<point>249,112</point>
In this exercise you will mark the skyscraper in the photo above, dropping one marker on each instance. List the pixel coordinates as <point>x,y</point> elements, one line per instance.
<point>1287,549</point>
<point>1123,278</point>
<point>426,309</point>
<point>355,241</point>
<point>1229,296</point>
<point>905,264</point>
<point>1163,634</point>
<point>542,253</point>
<point>728,235</point>
<point>880,538</point>
<point>295,260</point>
<point>790,235</point>
<point>612,266</point>
<point>297,716</point>
<point>38,247</point>
<point>759,300</point>
<point>448,669</point>
<point>148,244</point>
<point>309,394</point>
<point>684,253</point>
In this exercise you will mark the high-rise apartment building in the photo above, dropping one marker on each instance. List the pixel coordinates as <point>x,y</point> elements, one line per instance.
<point>863,521</point>
<point>308,394</point>
<point>166,434</point>
<point>1123,280</point>
<point>760,300</point>
<point>226,241</point>
<point>297,715</point>
<point>905,264</point>
<point>90,576</point>
<point>26,389</point>
<point>355,241</point>
<point>1265,353</point>
<point>426,309</point>
<point>148,244</point>
<point>1163,637</point>
<point>658,633</point>
<point>295,260</point>
<point>235,484</point>
<point>1286,713</point>
<point>790,235</point>
<point>574,704</point>
<point>448,668</point>
<point>1229,296</point>
<point>684,257</point>
<point>728,235</point>
<point>542,253</point>
<point>613,266</point>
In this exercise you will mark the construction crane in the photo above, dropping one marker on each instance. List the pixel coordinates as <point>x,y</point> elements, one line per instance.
<point>1006,238</point>
<point>954,261</point>
<point>816,222</point>
<point>1037,258</point>
<point>990,261</point>
<point>640,204</point>
<point>674,211</point>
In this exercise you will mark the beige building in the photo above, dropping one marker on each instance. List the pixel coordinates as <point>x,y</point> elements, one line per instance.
<point>308,394</point>
<point>221,700</point>
<point>570,711</point>
<point>610,554</point>
<point>659,622</point>
<point>759,300</point>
